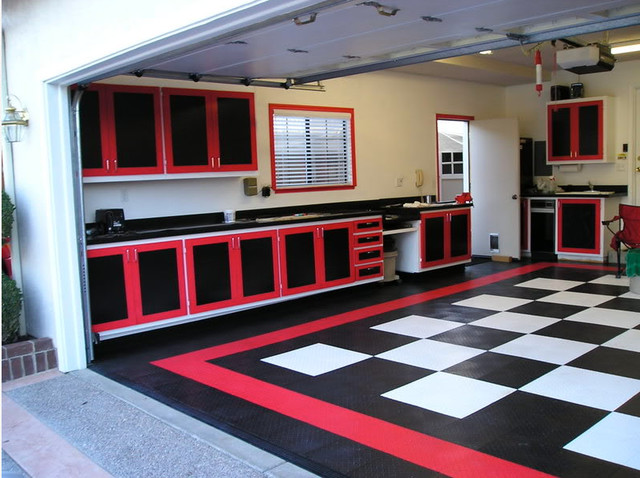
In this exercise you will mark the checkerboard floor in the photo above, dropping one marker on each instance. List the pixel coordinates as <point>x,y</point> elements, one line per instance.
<point>541,370</point>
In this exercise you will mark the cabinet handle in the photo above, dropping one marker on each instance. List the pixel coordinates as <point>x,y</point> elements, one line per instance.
<point>115,165</point>
<point>135,255</point>
<point>108,165</point>
<point>213,162</point>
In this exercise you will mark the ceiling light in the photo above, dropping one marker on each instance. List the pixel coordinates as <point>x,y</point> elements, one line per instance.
<point>486,52</point>
<point>617,50</point>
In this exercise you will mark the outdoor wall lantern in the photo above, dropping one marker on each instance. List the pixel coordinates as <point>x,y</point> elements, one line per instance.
<point>14,121</point>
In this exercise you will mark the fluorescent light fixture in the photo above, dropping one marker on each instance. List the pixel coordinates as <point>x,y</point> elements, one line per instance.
<point>617,50</point>
<point>486,52</point>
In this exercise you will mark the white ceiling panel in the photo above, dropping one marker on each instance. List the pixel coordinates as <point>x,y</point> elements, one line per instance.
<point>353,36</point>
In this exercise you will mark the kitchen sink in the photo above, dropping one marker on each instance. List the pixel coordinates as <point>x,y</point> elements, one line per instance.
<point>291,217</point>
<point>586,193</point>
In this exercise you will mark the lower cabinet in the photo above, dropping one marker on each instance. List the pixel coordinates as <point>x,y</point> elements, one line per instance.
<point>135,284</point>
<point>445,237</point>
<point>130,285</point>
<point>233,269</point>
<point>315,257</point>
<point>579,226</point>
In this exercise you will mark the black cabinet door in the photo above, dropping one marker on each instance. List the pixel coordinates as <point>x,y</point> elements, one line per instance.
<point>589,132</point>
<point>211,274</point>
<point>560,124</point>
<point>160,290</point>
<point>189,140</point>
<point>337,253</point>
<point>434,240</point>
<point>136,133</point>
<point>107,288</point>
<point>90,132</point>
<point>459,235</point>
<point>258,265</point>
<point>300,259</point>
<point>578,226</point>
<point>234,131</point>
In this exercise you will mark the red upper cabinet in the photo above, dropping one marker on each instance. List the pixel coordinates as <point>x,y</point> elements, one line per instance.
<point>576,131</point>
<point>209,131</point>
<point>120,130</point>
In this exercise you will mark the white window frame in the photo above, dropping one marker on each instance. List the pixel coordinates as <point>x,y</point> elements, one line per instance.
<point>312,148</point>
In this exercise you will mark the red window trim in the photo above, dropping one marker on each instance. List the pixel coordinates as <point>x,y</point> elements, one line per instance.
<point>349,111</point>
<point>441,116</point>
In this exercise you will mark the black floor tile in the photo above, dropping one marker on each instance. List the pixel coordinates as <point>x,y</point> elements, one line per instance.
<point>524,428</point>
<point>514,372</point>
<point>610,360</point>
<point>580,331</point>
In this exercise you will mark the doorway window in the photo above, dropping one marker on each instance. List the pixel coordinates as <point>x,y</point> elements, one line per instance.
<point>453,155</point>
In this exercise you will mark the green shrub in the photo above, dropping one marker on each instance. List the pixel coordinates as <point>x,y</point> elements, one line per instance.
<point>7,215</point>
<point>11,306</point>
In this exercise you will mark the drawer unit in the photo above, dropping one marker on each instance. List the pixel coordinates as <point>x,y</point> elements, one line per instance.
<point>369,271</point>
<point>367,225</point>
<point>368,255</point>
<point>368,239</point>
<point>365,256</point>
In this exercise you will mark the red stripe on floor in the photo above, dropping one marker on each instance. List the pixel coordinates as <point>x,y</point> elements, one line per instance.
<point>423,450</point>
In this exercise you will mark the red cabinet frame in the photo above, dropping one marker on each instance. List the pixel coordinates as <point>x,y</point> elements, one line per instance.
<point>132,281</point>
<point>575,129</point>
<point>234,247</point>
<point>447,238</point>
<point>108,131</point>
<point>319,257</point>
<point>212,132</point>
<point>597,226</point>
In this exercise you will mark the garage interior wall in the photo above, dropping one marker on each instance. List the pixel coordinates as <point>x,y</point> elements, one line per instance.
<point>46,41</point>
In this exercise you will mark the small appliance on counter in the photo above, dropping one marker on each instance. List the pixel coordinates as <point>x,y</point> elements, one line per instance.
<point>110,221</point>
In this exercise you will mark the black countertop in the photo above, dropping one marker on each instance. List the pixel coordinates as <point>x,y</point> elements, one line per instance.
<point>579,191</point>
<point>141,229</point>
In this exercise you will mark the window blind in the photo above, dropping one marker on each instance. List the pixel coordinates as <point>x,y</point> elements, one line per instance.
<point>312,149</point>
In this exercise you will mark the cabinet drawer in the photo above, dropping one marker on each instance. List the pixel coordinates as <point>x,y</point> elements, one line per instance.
<point>370,271</point>
<point>364,256</point>
<point>361,240</point>
<point>366,225</point>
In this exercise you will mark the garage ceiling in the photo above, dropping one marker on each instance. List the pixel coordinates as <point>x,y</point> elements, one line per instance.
<point>436,37</point>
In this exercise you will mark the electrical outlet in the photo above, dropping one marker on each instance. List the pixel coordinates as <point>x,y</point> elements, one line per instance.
<point>399,181</point>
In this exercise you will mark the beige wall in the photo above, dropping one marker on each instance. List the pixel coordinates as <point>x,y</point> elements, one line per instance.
<point>395,135</point>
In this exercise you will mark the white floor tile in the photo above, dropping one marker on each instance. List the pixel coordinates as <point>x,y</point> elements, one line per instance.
<point>630,295</point>
<point>615,438</point>
<point>611,279</point>
<point>316,359</point>
<point>430,354</point>
<point>418,326</point>
<point>550,284</point>
<point>493,302</point>
<point>545,349</point>
<point>576,298</point>
<point>585,387</point>
<point>449,394</point>
<point>629,340</point>
<point>612,317</point>
<point>515,322</point>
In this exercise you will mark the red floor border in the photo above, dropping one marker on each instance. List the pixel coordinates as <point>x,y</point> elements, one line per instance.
<point>426,451</point>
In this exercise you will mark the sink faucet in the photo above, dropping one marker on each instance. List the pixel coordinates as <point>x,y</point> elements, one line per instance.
<point>591,186</point>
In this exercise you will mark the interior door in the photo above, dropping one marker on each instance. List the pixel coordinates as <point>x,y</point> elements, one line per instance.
<point>494,152</point>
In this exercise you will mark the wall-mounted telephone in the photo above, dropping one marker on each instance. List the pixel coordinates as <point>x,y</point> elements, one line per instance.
<point>419,178</point>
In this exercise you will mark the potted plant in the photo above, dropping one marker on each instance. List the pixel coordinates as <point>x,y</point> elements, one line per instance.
<point>11,294</point>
